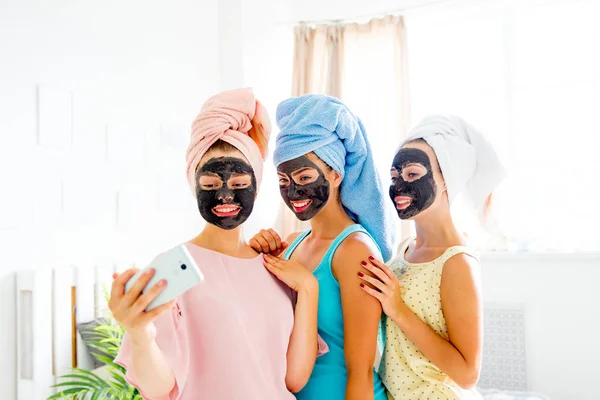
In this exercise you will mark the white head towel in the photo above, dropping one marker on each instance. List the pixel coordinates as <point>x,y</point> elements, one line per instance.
<point>468,161</point>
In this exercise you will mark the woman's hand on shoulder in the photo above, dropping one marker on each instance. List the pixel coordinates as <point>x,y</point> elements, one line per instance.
<point>380,282</point>
<point>295,275</point>
<point>268,241</point>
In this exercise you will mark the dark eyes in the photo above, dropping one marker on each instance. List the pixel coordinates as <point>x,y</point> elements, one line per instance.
<point>305,178</point>
<point>410,175</point>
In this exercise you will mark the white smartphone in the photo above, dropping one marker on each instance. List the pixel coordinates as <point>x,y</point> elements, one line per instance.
<point>178,268</point>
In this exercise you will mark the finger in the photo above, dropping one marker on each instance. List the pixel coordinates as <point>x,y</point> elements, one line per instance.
<point>134,292</point>
<point>155,312</point>
<point>276,261</point>
<point>276,237</point>
<point>142,302</point>
<point>372,292</point>
<point>255,245</point>
<point>263,244</point>
<point>270,264</point>
<point>376,283</point>
<point>114,275</point>
<point>376,271</point>
<point>271,240</point>
<point>272,269</point>
<point>284,245</point>
<point>118,286</point>
<point>382,267</point>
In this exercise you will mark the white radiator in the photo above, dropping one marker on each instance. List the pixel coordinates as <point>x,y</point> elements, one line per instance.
<point>49,305</point>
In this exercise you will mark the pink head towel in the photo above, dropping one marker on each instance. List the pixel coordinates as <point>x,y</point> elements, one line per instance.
<point>228,116</point>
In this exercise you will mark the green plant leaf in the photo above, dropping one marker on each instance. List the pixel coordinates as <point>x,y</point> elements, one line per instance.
<point>81,384</point>
<point>68,392</point>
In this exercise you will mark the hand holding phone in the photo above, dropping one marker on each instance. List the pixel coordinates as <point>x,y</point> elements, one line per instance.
<point>178,268</point>
<point>139,297</point>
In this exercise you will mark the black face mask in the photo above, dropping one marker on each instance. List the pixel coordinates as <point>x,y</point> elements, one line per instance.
<point>223,206</point>
<point>418,194</point>
<point>304,200</point>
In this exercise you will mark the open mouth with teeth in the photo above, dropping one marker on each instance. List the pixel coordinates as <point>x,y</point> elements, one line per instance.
<point>226,210</point>
<point>402,202</point>
<point>301,205</point>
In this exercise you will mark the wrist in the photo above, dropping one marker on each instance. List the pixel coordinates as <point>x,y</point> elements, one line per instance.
<point>309,286</point>
<point>400,314</point>
<point>142,337</point>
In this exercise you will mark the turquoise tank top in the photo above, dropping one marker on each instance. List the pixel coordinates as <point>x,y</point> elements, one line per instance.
<point>328,379</point>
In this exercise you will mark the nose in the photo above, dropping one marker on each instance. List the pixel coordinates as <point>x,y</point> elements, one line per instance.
<point>398,186</point>
<point>225,195</point>
<point>295,192</point>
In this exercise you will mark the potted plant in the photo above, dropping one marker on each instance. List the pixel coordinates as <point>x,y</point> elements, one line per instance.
<point>105,340</point>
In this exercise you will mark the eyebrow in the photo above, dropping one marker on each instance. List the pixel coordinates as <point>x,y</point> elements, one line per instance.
<point>211,174</point>
<point>240,174</point>
<point>301,170</point>
<point>413,163</point>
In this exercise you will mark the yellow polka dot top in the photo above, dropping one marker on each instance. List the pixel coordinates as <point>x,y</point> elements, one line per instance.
<point>404,370</point>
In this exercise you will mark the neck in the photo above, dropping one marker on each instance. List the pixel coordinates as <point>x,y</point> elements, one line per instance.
<point>330,221</point>
<point>221,240</point>
<point>436,229</point>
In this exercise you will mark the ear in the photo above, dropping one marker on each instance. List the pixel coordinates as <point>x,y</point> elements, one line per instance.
<point>336,178</point>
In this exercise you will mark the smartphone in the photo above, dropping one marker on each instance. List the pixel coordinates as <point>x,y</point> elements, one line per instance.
<point>178,268</point>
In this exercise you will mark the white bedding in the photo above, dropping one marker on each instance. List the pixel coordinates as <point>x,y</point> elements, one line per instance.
<point>493,394</point>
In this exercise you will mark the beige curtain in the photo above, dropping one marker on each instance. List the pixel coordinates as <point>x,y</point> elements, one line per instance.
<point>365,65</point>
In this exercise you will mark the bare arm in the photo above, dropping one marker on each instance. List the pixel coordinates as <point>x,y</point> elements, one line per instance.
<point>303,346</point>
<point>361,313</point>
<point>460,357</point>
<point>150,368</point>
<point>152,372</point>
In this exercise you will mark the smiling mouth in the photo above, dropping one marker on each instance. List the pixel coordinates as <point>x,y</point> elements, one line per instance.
<point>226,210</point>
<point>300,205</point>
<point>402,202</point>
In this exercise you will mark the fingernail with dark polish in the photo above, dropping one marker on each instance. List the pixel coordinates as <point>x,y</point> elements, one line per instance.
<point>363,262</point>
<point>371,258</point>
<point>362,285</point>
<point>361,274</point>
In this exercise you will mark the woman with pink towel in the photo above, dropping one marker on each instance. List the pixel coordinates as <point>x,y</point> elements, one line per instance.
<point>246,332</point>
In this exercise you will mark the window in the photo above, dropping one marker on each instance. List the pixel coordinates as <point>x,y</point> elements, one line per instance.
<point>527,75</point>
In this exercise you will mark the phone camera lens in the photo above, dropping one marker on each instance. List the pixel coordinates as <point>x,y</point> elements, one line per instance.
<point>183,266</point>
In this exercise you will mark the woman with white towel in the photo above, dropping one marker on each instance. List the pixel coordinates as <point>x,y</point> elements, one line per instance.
<point>430,292</point>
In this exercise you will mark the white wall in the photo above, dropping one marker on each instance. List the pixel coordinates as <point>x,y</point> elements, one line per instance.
<point>96,100</point>
<point>561,297</point>
<point>318,10</point>
<point>267,49</point>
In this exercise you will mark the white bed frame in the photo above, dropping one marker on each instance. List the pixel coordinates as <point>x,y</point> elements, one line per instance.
<point>60,299</point>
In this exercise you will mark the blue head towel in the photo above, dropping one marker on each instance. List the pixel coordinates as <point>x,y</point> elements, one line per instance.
<point>325,126</point>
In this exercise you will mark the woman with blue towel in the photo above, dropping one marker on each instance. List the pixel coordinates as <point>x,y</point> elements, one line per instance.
<point>327,176</point>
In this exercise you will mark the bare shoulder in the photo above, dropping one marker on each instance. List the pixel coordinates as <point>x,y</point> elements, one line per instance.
<point>461,269</point>
<point>355,248</point>
<point>356,243</point>
<point>292,237</point>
